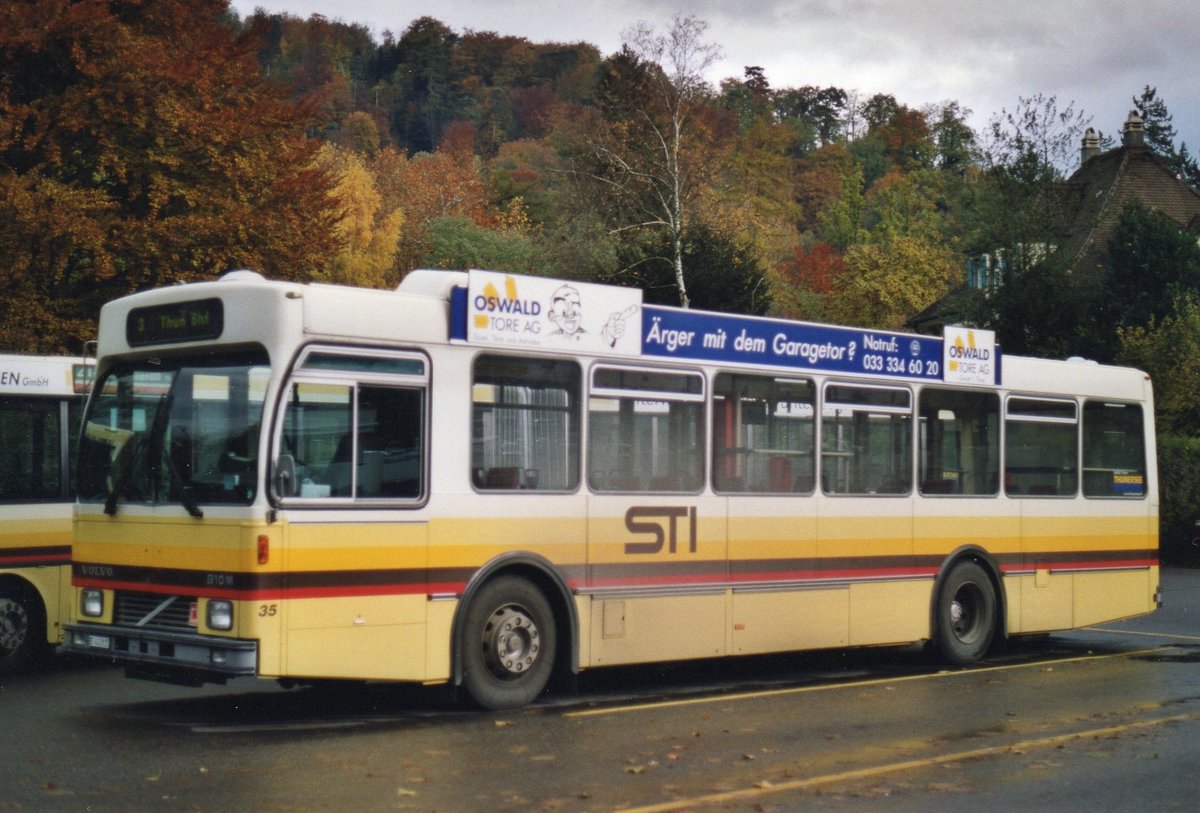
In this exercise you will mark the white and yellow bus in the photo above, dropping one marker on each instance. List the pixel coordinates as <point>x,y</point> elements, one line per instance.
<point>481,478</point>
<point>41,400</point>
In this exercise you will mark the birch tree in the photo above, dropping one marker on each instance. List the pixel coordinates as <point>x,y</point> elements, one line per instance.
<point>648,163</point>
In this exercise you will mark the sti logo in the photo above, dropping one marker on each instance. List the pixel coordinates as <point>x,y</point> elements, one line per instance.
<point>661,524</point>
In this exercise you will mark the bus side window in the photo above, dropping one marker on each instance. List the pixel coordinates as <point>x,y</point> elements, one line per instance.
<point>317,429</point>
<point>361,440</point>
<point>31,466</point>
<point>389,442</point>
<point>646,431</point>
<point>763,435</point>
<point>866,436</point>
<point>960,442</point>
<point>525,424</point>
<point>1114,450</point>
<point>1040,447</point>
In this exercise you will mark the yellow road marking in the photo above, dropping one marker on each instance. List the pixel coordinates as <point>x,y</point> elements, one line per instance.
<point>1169,635</point>
<point>906,765</point>
<point>857,684</point>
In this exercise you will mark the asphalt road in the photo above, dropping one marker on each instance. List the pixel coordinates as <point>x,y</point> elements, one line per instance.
<point>1100,719</point>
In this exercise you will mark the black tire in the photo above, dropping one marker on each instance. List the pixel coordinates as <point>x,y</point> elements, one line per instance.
<point>508,644</point>
<point>22,629</point>
<point>965,614</point>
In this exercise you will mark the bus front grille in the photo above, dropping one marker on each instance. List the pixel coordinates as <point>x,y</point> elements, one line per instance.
<point>154,611</point>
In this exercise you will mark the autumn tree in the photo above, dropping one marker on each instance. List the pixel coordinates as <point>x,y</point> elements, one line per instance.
<point>805,284</point>
<point>367,232</point>
<point>139,145</point>
<point>841,218</point>
<point>753,193</point>
<point>1169,350</point>
<point>424,188</point>
<point>813,114</point>
<point>423,71</point>
<point>1015,210</point>
<point>955,143</point>
<point>1152,263</point>
<point>325,60</point>
<point>886,283</point>
<point>724,273</point>
<point>459,242</point>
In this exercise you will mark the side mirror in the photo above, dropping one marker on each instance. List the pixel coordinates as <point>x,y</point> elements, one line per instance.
<point>285,475</point>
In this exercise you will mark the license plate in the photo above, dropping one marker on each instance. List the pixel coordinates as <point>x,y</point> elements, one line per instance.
<point>99,641</point>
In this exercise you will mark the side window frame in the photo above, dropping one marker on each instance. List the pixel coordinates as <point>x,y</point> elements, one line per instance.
<point>43,450</point>
<point>1046,411</point>
<point>355,370</point>
<point>739,465</point>
<point>489,474</point>
<point>1123,483</point>
<point>847,460</point>
<point>952,482</point>
<point>627,387</point>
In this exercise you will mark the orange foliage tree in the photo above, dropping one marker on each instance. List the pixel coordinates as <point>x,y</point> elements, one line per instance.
<point>427,186</point>
<point>139,146</point>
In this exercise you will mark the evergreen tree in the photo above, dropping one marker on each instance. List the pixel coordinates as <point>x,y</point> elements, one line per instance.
<point>1160,136</point>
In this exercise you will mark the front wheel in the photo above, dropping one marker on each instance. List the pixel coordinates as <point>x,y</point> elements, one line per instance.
<point>22,629</point>
<point>965,615</point>
<point>508,644</point>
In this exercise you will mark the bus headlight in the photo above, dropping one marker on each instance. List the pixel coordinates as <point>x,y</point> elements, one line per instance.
<point>220,614</point>
<point>91,603</point>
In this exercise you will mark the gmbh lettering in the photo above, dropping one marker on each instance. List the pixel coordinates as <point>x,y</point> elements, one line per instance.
<point>15,378</point>
<point>700,336</point>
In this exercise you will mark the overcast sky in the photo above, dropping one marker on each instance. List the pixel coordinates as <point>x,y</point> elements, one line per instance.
<point>984,55</point>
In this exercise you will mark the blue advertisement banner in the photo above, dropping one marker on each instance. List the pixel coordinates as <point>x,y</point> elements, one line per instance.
<point>718,337</point>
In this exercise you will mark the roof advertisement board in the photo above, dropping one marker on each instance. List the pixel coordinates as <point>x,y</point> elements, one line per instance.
<point>520,311</point>
<point>552,314</point>
<point>718,337</point>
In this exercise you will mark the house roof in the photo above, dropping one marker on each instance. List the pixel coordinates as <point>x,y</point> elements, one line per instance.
<point>1106,184</point>
<point>1098,194</point>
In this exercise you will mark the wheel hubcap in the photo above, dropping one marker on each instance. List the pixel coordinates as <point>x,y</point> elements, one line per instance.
<point>964,613</point>
<point>511,644</point>
<point>14,623</point>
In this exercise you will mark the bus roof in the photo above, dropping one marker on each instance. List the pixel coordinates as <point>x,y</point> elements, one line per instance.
<point>515,312</point>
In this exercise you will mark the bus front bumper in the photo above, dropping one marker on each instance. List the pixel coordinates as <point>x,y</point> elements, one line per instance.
<point>167,656</point>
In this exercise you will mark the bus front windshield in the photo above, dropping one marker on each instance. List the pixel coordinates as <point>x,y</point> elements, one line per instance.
<point>175,430</point>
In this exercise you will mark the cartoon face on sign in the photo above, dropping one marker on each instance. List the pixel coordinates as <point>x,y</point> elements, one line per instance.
<point>566,312</point>
<point>540,312</point>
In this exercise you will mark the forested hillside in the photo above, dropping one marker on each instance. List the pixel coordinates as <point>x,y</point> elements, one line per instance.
<point>148,143</point>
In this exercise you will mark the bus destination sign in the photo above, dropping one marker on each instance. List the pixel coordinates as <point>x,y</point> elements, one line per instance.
<point>194,321</point>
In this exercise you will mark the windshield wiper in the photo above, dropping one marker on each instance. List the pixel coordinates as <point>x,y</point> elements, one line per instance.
<point>158,431</point>
<point>122,472</point>
<point>138,447</point>
<point>187,495</point>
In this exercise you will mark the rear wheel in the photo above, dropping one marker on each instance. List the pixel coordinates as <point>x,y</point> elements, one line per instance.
<point>965,614</point>
<point>22,628</point>
<point>508,644</point>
